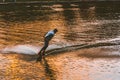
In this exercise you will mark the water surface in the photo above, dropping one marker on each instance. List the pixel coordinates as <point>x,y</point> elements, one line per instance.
<point>93,29</point>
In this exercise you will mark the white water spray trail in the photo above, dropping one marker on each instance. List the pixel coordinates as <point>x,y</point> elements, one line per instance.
<point>26,49</point>
<point>22,49</point>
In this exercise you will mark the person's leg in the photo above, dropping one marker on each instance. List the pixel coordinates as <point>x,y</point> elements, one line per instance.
<point>44,47</point>
<point>42,51</point>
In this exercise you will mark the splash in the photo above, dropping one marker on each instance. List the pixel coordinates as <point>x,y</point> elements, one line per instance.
<point>32,50</point>
<point>26,49</point>
<point>22,49</point>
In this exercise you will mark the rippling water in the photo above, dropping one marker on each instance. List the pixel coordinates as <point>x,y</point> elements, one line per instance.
<point>80,25</point>
<point>76,23</point>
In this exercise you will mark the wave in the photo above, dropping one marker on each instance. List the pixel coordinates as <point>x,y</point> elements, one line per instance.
<point>32,50</point>
<point>76,47</point>
<point>109,42</point>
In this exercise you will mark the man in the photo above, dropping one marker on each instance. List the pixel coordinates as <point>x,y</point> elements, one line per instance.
<point>47,38</point>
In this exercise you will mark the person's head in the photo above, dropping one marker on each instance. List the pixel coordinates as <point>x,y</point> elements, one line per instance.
<point>55,30</point>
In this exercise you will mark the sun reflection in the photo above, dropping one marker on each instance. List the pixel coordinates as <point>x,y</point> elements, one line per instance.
<point>22,69</point>
<point>13,70</point>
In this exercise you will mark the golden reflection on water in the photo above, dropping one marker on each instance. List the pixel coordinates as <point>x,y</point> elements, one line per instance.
<point>20,69</point>
<point>67,21</point>
<point>69,65</point>
<point>74,24</point>
<point>76,66</point>
<point>31,32</point>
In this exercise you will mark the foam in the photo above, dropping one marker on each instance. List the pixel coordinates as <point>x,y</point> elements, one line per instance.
<point>22,49</point>
<point>115,40</point>
<point>26,49</point>
<point>56,48</point>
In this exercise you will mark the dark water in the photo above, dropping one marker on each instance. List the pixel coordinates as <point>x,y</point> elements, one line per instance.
<point>76,22</point>
<point>92,24</point>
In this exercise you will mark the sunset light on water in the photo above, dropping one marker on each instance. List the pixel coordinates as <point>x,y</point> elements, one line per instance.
<point>86,46</point>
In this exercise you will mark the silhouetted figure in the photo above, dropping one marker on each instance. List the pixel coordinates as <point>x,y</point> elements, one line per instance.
<point>49,35</point>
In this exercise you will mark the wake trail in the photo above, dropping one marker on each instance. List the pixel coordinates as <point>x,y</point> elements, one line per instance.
<point>53,49</point>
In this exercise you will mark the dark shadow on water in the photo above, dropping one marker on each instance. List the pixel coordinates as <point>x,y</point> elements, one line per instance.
<point>23,16</point>
<point>28,57</point>
<point>48,71</point>
<point>24,57</point>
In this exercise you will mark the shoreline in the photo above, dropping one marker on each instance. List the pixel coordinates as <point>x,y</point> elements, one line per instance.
<point>54,2</point>
<point>37,5</point>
